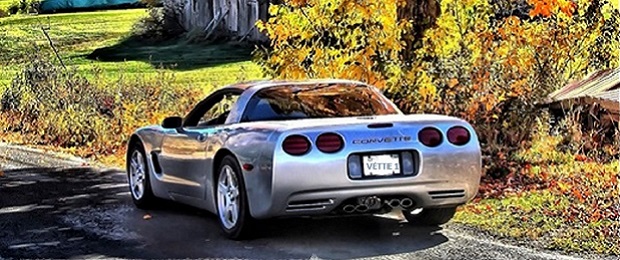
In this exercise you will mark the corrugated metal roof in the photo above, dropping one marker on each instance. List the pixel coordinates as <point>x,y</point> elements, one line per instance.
<point>612,95</point>
<point>603,84</point>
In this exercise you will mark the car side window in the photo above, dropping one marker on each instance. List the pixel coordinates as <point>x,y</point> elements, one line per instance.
<point>217,114</point>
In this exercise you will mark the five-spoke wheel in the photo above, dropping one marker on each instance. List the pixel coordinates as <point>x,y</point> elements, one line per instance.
<point>232,206</point>
<point>228,197</point>
<point>138,177</point>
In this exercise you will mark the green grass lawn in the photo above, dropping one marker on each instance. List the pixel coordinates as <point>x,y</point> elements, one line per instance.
<point>5,3</point>
<point>102,40</point>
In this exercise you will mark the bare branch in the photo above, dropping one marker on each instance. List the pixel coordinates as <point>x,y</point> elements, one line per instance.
<point>53,47</point>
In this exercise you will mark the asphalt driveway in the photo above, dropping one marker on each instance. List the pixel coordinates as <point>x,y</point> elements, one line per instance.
<point>57,207</point>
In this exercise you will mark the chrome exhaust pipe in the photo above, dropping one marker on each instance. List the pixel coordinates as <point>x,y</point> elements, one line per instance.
<point>361,208</point>
<point>406,203</point>
<point>371,202</point>
<point>394,203</point>
<point>348,208</point>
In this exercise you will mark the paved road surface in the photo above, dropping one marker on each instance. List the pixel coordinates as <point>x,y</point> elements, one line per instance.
<point>57,208</point>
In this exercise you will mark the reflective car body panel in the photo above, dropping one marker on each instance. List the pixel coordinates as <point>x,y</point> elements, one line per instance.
<point>182,161</point>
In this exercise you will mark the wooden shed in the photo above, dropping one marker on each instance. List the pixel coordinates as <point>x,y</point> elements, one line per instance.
<point>597,95</point>
<point>229,18</point>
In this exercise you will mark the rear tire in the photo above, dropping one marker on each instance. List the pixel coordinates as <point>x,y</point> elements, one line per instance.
<point>430,216</point>
<point>138,177</point>
<point>231,200</point>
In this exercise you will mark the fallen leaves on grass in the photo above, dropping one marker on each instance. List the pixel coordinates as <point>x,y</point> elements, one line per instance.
<point>512,184</point>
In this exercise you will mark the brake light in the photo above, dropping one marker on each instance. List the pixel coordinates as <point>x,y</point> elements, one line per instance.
<point>458,135</point>
<point>430,137</point>
<point>296,145</point>
<point>329,143</point>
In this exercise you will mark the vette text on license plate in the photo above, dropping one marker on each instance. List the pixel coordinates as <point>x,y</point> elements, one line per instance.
<point>381,165</point>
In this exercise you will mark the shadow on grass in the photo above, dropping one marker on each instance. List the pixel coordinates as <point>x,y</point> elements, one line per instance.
<point>174,54</point>
<point>138,5</point>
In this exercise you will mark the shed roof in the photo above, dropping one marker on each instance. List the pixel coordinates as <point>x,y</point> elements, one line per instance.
<point>597,84</point>
<point>601,87</point>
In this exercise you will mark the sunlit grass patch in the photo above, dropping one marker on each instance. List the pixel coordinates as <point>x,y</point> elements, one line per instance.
<point>184,72</point>
<point>4,4</point>
<point>77,35</point>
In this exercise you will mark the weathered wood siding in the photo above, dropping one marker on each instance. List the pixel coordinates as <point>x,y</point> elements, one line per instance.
<point>235,18</point>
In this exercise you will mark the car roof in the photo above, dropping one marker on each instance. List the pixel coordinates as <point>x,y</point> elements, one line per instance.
<point>261,84</point>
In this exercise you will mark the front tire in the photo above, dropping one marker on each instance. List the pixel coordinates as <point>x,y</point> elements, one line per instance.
<point>138,177</point>
<point>231,200</point>
<point>430,216</point>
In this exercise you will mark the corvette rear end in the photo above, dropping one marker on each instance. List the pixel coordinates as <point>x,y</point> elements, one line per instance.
<point>312,147</point>
<point>367,165</point>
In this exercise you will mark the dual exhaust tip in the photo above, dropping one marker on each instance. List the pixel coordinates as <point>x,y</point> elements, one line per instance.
<point>404,203</point>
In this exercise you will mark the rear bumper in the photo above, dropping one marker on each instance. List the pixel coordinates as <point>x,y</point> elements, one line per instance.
<point>322,188</point>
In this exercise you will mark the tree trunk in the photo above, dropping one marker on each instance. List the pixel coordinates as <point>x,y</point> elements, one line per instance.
<point>422,14</point>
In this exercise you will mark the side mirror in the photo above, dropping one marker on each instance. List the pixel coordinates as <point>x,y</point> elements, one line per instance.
<point>172,122</point>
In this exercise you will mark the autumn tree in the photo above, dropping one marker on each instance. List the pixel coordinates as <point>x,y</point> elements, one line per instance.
<point>472,61</point>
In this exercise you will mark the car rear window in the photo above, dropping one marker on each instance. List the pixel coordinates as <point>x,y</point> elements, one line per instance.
<point>316,101</point>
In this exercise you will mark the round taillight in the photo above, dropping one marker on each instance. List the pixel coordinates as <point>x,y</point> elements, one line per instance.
<point>430,137</point>
<point>329,143</point>
<point>296,145</point>
<point>458,135</point>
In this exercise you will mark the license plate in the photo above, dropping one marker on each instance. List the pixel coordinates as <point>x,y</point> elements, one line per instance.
<point>381,165</point>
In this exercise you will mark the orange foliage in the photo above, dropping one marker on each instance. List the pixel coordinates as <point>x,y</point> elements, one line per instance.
<point>546,8</point>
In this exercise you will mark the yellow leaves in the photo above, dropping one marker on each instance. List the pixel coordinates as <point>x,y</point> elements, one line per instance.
<point>567,7</point>
<point>563,187</point>
<point>427,89</point>
<point>306,35</point>
<point>354,72</point>
<point>342,38</point>
<point>302,54</point>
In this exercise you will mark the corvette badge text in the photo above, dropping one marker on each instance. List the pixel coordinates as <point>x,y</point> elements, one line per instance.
<point>383,140</point>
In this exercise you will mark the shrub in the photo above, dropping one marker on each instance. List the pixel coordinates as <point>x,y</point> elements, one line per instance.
<point>601,144</point>
<point>23,7</point>
<point>161,24</point>
<point>50,105</point>
<point>152,3</point>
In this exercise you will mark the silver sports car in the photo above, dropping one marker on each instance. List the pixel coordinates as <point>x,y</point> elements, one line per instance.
<point>266,149</point>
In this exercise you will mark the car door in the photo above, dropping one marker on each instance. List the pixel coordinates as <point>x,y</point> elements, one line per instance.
<point>183,157</point>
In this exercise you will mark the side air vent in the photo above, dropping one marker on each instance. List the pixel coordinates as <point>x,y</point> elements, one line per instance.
<point>303,205</point>
<point>155,158</point>
<point>446,194</point>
